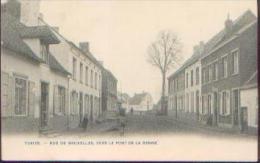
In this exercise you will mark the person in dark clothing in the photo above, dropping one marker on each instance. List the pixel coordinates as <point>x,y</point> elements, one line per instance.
<point>85,122</point>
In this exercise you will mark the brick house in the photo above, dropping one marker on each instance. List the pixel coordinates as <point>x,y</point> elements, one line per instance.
<point>34,84</point>
<point>226,67</point>
<point>176,95</point>
<point>109,91</point>
<point>85,81</point>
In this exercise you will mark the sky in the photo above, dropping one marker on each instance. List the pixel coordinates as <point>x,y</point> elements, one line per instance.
<point>119,32</point>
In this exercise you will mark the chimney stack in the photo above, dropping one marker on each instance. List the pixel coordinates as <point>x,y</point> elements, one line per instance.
<point>201,47</point>
<point>228,24</point>
<point>84,46</point>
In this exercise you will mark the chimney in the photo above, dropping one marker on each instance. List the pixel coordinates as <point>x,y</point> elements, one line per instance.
<point>195,49</point>
<point>41,16</point>
<point>228,24</point>
<point>13,7</point>
<point>84,46</point>
<point>201,47</point>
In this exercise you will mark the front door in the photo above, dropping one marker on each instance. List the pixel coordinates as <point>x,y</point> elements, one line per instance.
<point>197,104</point>
<point>91,108</point>
<point>81,107</point>
<point>44,105</point>
<point>235,106</point>
<point>215,107</point>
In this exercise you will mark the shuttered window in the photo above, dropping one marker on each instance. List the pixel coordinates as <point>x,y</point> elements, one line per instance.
<point>234,62</point>
<point>4,92</point>
<point>20,96</point>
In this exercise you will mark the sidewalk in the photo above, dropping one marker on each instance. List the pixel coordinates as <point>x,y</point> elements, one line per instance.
<point>205,127</point>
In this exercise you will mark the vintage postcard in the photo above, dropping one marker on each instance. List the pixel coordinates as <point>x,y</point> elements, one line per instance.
<point>148,80</point>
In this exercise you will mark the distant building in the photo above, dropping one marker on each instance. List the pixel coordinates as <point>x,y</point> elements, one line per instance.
<point>123,99</point>
<point>141,102</point>
<point>109,91</point>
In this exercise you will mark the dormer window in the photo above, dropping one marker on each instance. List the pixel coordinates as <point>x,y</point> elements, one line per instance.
<point>45,52</point>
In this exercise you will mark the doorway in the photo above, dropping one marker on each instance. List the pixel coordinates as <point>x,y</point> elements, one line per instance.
<point>215,108</point>
<point>80,107</point>
<point>235,106</point>
<point>44,105</point>
<point>197,104</point>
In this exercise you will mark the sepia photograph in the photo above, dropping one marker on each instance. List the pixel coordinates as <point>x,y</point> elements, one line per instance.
<point>111,80</point>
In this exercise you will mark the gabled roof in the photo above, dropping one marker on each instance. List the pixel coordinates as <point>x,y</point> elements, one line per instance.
<point>12,39</point>
<point>137,99</point>
<point>56,66</point>
<point>247,18</point>
<point>88,54</point>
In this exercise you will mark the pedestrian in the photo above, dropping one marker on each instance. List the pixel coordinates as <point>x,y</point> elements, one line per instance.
<point>85,122</point>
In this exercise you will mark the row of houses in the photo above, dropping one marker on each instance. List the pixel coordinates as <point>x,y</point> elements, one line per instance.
<point>217,85</point>
<point>48,82</point>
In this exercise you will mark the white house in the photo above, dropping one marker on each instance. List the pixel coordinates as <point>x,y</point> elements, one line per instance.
<point>85,80</point>
<point>249,102</point>
<point>34,84</point>
<point>141,102</point>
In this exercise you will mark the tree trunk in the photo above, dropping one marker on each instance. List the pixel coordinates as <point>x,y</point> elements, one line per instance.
<point>163,108</point>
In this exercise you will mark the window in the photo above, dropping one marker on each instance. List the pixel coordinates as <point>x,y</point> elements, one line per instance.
<point>187,80</point>
<point>187,102</point>
<point>86,75</point>
<point>44,52</point>
<point>20,96</point>
<point>197,75</point>
<point>61,100</point>
<point>74,103</point>
<point>95,80</point>
<point>225,67</point>
<point>74,69</point>
<point>210,72</point>
<point>224,103</point>
<point>91,79</point>
<point>203,105</point>
<point>234,62</point>
<point>81,72</point>
<point>214,71</point>
<point>203,75</point>
<point>191,78</point>
<point>209,104</point>
<point>207,74</point>
<point>192,102</point>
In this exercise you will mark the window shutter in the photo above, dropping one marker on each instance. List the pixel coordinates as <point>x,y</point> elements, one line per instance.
<point>220,103</point>
<point>11,96</point>
<point>66,101</point>
<point>5,94</point>
<point>31,98</point>
<point>55,100</point>
<point>228,102</point>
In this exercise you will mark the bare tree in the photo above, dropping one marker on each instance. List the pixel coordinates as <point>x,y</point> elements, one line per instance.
<point>164,53</point>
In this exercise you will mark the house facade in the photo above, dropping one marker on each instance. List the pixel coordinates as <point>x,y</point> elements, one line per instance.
<point>249,104</point>
<point>85,81</point>
<point>109,91</point>
<point>226,67</point>
<point>176,96</point>
<point>223,68</point>
<point>141,103</point>
<point>34,84</point>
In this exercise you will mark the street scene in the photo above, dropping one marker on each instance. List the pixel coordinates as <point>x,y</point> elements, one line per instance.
<point>82,69</point>
<point>54,85</point>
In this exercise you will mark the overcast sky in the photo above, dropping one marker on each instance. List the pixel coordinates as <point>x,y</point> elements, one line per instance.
<point>120,32</point>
